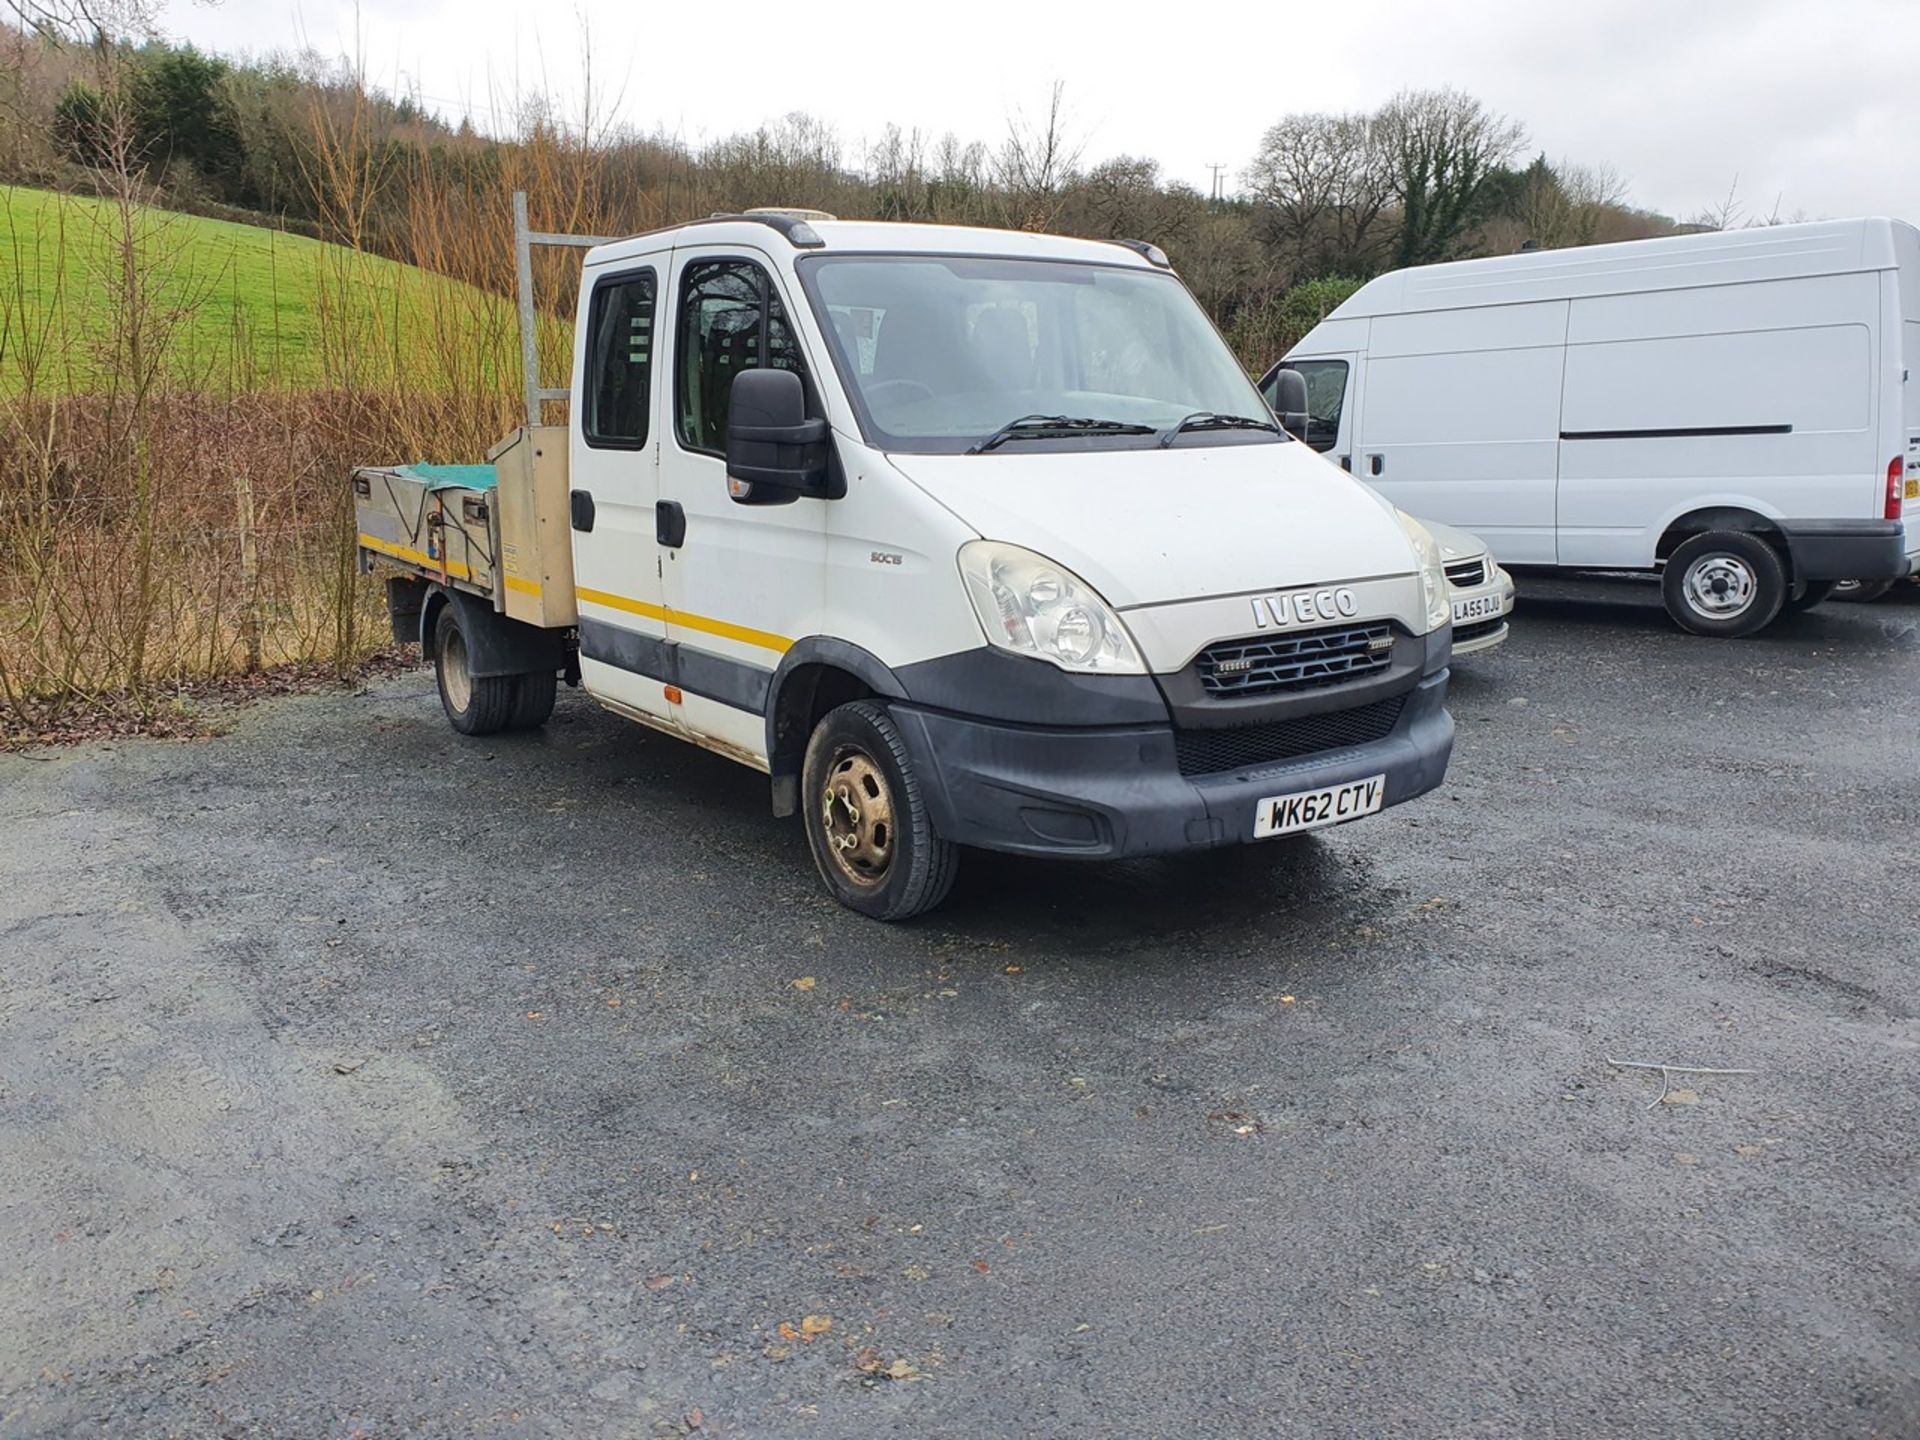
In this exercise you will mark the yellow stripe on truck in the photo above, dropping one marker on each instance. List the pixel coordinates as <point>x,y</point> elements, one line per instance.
<point>525,587</point>
<point>725,629</point>
<point>418,557</point>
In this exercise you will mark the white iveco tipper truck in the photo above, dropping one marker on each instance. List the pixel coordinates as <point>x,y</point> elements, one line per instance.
<point>965,537</point>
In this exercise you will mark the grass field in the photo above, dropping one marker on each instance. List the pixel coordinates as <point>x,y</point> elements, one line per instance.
<point>243,307</point>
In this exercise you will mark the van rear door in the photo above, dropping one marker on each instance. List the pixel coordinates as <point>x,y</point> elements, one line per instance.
<point>1905,311</point>
<point>1461,421</point>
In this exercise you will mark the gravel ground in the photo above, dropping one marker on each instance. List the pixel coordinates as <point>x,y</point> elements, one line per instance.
<point>359,1080</point>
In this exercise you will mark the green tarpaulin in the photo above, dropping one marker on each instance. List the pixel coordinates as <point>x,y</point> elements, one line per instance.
<point>451,477</point>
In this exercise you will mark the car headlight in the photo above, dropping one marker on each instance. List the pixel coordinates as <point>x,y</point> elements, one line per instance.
<point>1433,571</point>
<point>1031,606</point>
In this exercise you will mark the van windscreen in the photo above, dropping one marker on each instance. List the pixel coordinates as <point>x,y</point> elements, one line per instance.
<point>941,352</point>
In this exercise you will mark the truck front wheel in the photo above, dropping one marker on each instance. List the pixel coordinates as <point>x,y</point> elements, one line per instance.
<point>867,823</point>
<point>474,705</point>
<point>1727,583</point>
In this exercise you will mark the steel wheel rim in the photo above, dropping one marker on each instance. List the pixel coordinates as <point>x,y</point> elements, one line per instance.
<point>453,671</point>
<point>1721,586</point>
<point>856,812</point>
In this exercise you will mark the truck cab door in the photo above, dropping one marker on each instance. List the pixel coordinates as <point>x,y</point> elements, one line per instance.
<point>613,464</point>
<point>742,581</point>
<point>1331,381</point>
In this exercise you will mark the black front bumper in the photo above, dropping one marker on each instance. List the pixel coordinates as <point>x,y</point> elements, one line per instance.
<point>1112,791</point>
<point>1846,549</point>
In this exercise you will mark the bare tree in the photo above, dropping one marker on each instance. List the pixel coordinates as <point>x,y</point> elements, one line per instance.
<point>1324,185</point>
<point>1443,147</point>
<point>1566,204</point>
<point>83,20</point>
<point>1731,213</point>
<point>1036,161</point>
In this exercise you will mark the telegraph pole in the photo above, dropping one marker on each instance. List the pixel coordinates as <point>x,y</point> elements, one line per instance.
<point>1216,167</point>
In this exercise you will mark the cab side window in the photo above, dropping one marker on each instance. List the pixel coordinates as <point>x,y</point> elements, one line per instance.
<point>1326,397</point>
<point>730,320</point>
<point>619,368</point>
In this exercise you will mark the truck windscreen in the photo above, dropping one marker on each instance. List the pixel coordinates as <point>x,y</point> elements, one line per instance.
<point>941,352</point>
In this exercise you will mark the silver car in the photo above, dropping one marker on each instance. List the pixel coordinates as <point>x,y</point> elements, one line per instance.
<point>1481,591</point>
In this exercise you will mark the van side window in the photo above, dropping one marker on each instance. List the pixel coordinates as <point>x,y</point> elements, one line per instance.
<point>730,320</point>
<point>1326,395</point>
<point>619,369</point>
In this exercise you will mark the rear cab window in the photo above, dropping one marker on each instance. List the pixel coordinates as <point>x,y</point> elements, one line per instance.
<point>619,368</point>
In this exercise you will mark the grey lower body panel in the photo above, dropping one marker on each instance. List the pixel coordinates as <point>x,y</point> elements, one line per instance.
<point>1101,794</point>
<point>1846,549</point>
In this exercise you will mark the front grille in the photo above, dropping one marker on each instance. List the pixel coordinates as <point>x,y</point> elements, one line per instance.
<point>1463,633</point>
<point>1308,660</point>
<point>1241,747</point>
<point>1466,572</point>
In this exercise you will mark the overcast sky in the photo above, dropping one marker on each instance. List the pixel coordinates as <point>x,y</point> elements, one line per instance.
<point>1809,102</point>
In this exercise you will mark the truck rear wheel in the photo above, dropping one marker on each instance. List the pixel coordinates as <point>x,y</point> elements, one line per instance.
<point>1860,591</point>
<point>1806,596</point>
<point>1726,583</point>
<point>533,696</point>
<point>474,705</point>
<point>867,823</point>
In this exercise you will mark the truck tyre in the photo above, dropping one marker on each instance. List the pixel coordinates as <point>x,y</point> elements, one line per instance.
<point>867,823</point>
<point>1726,583</point>
<point>533,697</point>
<point>474,706</point>
<point>1806,596</point>
<point>1860,591</point>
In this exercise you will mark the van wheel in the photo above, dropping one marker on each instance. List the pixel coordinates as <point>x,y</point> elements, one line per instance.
<point>1726,583</point>
<point>1860,591</point>
<point>474,706</point>
<point>866,820</point>
<point>1806,596</point>
<point>533,697</point>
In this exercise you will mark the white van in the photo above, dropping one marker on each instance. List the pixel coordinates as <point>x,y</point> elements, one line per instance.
<point>1733,409</point>
<point>965,537</point>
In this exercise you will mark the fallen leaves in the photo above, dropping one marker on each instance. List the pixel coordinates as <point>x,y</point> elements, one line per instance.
<point>805,982</point>
<point>657,1282</point>
<point>868,1363</point>
<point>810,1328</point>
<point>1237,1122</point>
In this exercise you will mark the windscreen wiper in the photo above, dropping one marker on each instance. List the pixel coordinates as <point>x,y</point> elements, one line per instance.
<point>1207,420</point>
<point>1039,427</point>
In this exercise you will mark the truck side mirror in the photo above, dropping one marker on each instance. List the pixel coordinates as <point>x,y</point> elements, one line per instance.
<point>1290,401</point>
<point>775,454</point>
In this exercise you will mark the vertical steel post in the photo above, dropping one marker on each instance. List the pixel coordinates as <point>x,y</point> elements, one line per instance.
<point>523,278</point>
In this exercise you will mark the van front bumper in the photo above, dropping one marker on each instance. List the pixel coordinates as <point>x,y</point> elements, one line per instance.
<point>1108,792</point>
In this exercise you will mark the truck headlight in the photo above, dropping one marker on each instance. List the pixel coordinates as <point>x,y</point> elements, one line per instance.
<point>1433,571</point>
<point>1031,606</point>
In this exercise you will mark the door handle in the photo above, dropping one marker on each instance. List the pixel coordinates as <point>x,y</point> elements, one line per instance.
<point>1346,463</point>
<point>1376,464</point>
<point>580,510</point>
<point>669,524</point>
